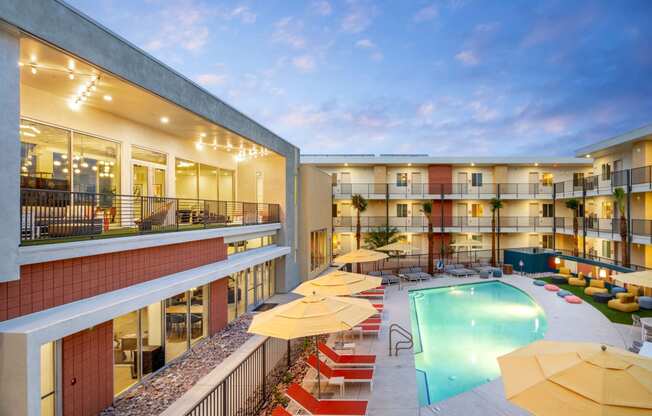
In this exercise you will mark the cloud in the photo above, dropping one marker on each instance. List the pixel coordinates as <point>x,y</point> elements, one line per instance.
<point>467,58</point>
<point>359,17</point>
<point>322,7</point>
<point>304,63</point>
<point>244,14</point>
<point>426,13</point>
<point>211,80</point>
<point>377,56</point>
<point>286,31</point>
<point>181,25</point>
<point>365,43</point>
<point>426,109</point>
<point>304,116</point>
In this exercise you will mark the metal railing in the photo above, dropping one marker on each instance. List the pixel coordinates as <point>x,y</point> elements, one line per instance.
<point>245,390</point>
<point>434,190</point>
<point>462,223</point>
<point>404,344</point>
<point>394,263</point>
<point>63,215</point>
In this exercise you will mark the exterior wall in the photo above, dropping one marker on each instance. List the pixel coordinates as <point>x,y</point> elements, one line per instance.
<point>641,154</point>
<point>46,285</point>
<point>218,313</point>
<point>87,371</point>
<point>314,214</point>
<point>439,174</point>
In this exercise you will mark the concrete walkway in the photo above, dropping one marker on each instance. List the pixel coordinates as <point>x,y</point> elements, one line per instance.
<point>395,386</point>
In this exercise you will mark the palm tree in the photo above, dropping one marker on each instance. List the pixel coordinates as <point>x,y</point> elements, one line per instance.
<point>495,204</point>
<point>360,204</point>
<point>574,204</point>
<point>619,200</point>
<point>427,210</point>
<point>381,236</point>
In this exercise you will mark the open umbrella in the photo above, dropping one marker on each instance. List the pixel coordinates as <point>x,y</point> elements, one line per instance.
<point>338,283</point>
<point>641,279</point>
<point>311,316</point>
<point>573,378</point>
<point>403,246</point>
<point>360,256</point>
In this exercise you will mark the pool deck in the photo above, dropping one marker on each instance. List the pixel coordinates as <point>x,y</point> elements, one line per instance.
<point>395,386</point>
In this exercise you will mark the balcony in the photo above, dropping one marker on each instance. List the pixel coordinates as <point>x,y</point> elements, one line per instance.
<point>457,224</point>
<point>49,216</point>
<point>445,190</point>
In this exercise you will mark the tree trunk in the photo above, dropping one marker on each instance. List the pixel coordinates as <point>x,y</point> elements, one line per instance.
<point>431,244</point>
<point>493,238</point>
<point>357,231</point>
<point>623,241</point>
<point>576,231</point>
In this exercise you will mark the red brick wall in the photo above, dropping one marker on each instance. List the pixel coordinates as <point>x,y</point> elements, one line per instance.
<point>438,174</point>
<point>87,371</point>
<point>44,285</point>
<point>219,304</point>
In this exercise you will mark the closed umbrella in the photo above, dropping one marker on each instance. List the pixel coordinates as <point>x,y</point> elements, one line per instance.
<point>338,283</point>
<point>573,378</point>
<point>311,316</point>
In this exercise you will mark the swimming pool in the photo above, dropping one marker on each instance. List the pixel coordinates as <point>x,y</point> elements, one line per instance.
<point>460,330</point>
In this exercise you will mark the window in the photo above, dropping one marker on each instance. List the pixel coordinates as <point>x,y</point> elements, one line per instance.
<point>476,179</point>
<point>334,211</point>
<point>48,379</point>
<point>401,210</point>
<point>546,241</point>
<point>547,179</point>
<point>578,178</point>
<point>401,179</point>
<point>318,249</point>
<point>606,248</point>
<point>44,156</point>
<point>548,210</point>
<point>95,165</point>
<point>606,171</point>
<point>476,210</point>
<point>145,155</point>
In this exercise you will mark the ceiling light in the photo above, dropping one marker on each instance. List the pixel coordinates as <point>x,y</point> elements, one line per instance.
<point>77,171</point>
<point>56,163</point>
<point>536,164</point>
<point>165,120</point>
<point>588,156</point>
<point>71,64</point>
<point>84,164</point>
<point>34,71</point>
<point>32,58</point>
<point>65,170</point>
<point>472,164</point>
<point>202,135</point>
<point>409,164</point>
<point>94,168</point>
<point>108,98</point>
<point>199,146</point>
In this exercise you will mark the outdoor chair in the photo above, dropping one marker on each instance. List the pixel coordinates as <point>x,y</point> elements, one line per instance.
<point>373,329</point>
<point>350,375</point>
<point>346,360</point>
<point>280,411</point>
<point>317,407</point>
<point>389,277</point>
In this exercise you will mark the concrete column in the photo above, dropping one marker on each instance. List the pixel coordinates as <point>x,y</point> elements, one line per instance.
<point>9,153</point>
<point>19,375</point>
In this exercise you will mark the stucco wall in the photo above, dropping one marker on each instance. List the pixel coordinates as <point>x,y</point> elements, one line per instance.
<point>314,214</point>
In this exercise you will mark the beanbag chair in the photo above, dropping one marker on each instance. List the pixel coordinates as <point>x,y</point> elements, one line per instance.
<point>551,288</point>
<point>538,282</point>
<point>563,293</point>
<point>573,299</point>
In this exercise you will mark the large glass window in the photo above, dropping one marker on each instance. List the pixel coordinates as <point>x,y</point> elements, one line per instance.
<point>48,379</point>
<point>125,350</point>
<point>44,156</point>
<point>198,314</point>
<point>231,298</point>
<point>176,326</point>
<point>152,338</point>
<point>208,182</point>
<point>138,153</point>
<point>186,179</point>
<point>401,179</point>
<point>227,187</point>
<point>95,165</point>
<point>242,291</point>
<point>318,249</point>
<point>250,287</point>
<point>258,273</point>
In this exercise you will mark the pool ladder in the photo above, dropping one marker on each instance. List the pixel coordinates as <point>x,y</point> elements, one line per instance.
<point>402,344</point>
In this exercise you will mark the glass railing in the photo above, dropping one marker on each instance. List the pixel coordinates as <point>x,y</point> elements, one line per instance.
<point>51,215</point>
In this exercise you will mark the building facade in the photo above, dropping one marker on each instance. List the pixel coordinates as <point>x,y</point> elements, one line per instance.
<point>140,213</point>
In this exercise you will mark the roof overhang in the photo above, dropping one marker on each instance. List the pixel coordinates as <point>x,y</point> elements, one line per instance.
<point>369,160</point>
<point>616,142</point>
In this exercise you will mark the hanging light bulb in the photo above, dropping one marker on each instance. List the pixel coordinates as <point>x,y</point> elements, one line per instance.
<point>34,71</point>
<point>71,76</point>
<point>84,164</point>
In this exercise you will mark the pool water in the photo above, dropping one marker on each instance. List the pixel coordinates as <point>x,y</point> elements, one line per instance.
<point>459,331</point>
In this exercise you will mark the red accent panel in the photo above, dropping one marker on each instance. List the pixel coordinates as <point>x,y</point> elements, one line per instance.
<point>437,213</point>
<point>87,376</point>
<point>44,285</point>
<point>439,174</point>
<point>218,300</point>
<point>585,268</point>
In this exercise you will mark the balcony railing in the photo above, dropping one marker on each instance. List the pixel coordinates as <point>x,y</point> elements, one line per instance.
<point>49,215</point>
<point>433,190</point>
<point>456,223</point>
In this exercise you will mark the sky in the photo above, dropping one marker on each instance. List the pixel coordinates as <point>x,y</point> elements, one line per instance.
<point>450,77</point>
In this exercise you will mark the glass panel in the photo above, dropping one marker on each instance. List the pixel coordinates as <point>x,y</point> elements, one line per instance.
<point>258,271</point>
<point>208,178</point>
<point>95,165</point>
<point>226,185</point>
<point>47,379</point>
<point>176,339</point>
<point>145,155</point>
<point>141,187</point>
<point>159,182</point>
<point>44,156</point>
<point>231,298</point>
<point>152,338</point>
<point>272,277</point>
<point>241,276</point>
<point>198,314</point>
<point>251,298</point>
<point>125,349</point>
<point>186,179</point>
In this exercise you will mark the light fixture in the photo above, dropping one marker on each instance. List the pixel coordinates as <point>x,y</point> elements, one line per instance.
<point>94,168</point>
<point>165,120</point>
<point>56,163</point>
<point>346,164</point>
<point>409,164</point>
<point>77,171</point>
<point>65,170</point>
<point>472,163</point>
<point>536,164</point>
<point>84,164</point>
<point>588,156</point>
<point>108,98</point>
<point>71,75</point>
<point>199,145</point>
<point>602,273</point>
<point>34,71</point>
<point>557,260</point>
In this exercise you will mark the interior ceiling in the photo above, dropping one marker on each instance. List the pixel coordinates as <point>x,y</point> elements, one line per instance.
<point>53,69</point>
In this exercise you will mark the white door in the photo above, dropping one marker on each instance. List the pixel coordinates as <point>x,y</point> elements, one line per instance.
<point>463,183</point>
<point>418,218</point>
<point>345,183</point>
<point>416,185</point>
<point>533,180</point>
<point>345,214</point>
<point>533,214</point>
<point>462,215</point>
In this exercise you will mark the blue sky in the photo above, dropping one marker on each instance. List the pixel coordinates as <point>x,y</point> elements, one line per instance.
<point>451,77</point>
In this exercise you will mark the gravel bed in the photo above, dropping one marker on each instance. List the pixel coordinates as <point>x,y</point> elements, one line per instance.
<point>158,392</point>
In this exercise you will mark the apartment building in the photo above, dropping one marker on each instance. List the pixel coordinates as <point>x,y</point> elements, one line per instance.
<point>140,214</point>
<point>460,189</point>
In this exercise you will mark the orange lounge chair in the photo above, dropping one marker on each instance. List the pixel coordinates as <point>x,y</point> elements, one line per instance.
<point>371,321</point>
<point>316,407</point>
<point>280,411</point>
<point>350,375</point>
<point>347,360</point>
<point>371,294</point>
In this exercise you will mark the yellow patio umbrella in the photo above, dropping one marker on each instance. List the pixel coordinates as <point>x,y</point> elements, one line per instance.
<point>397,246</point>
<point>641,279</point>
<point>573,378</point>
<point>311,316</point>
<point>360,256</point>
<point>338,283</point>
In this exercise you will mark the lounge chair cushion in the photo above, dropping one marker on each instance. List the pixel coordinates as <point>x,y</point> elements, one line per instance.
<point>539,282</point>
<point>563,293</point>
<point>617,289</point>
<point>551,288</point>
<point>572,299</point>
<point>325,407</point>
<point>375,273</point>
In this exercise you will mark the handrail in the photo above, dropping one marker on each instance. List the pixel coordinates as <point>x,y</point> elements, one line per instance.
<point>405,344</point>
